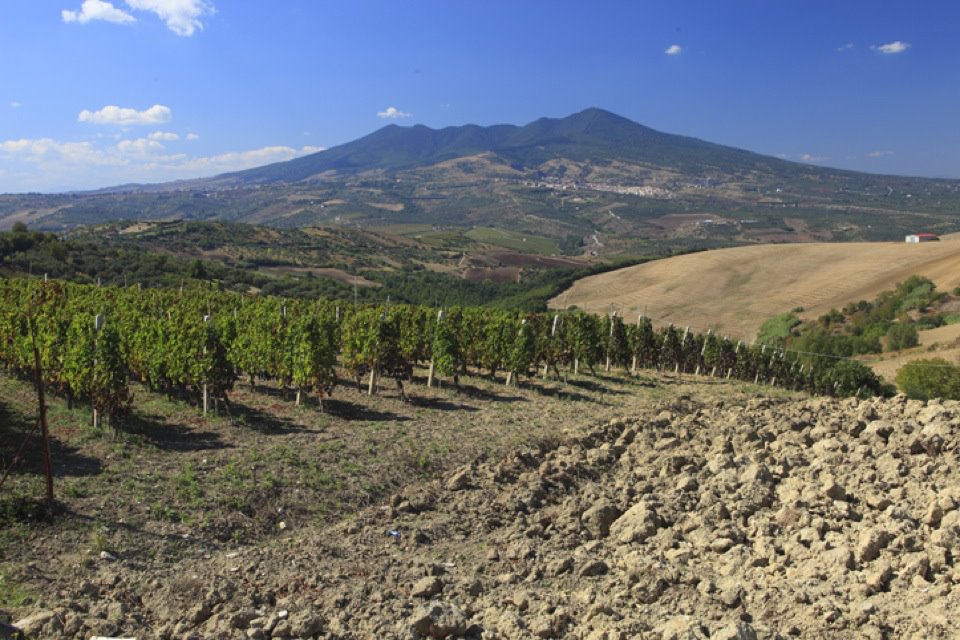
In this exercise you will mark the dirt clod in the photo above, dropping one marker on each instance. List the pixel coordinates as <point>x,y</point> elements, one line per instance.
<point>774,518</point>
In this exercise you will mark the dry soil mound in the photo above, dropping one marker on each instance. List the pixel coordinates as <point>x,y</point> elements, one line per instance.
<point>733,291</point>
<point>774,519</point>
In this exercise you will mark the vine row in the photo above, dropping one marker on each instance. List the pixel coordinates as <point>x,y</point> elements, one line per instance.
<point>202,341</point>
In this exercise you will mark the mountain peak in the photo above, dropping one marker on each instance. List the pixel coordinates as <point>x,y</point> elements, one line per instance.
<point>596,113</point>
<point>591,134</point>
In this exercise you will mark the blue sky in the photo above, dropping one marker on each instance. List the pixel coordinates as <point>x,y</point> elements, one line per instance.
<point>96,93</point>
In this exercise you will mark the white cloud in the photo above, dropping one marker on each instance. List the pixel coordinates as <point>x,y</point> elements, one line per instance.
<point>181,16</point>
<point>97,10</point>
<point>23,145</point>
<point>845,47</point>
<point>193,136</point>
<point>807,157</point>
<point>163,136</point>
<point>45,164</point>
<point>879,154</point>
<point>157,114</point>
<point>140,146</point>
<point>238,160</point>
<point>15,105</point>
<point>36,150</point>
<point>892,48</point>
<point>392,113</point>
<point>674,50</point>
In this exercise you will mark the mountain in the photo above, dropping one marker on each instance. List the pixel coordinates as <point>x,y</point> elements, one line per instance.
<point>592,134</point>
<point>592,184</point>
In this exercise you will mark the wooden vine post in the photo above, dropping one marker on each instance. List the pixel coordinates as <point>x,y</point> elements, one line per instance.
<point>773,380</point>
<point>553,334</point>
<point>375,365</point>
<point>432,363</point>
<point>683,342</point>
<point>511,377</point>
<point>633,364</point>
<point>44,431</point>
<point>97,325</point>
<point>610,341</point>
<point>206,392</point>
<point>763,350</point>
<point>713,372</point>
<point>372,381</point>
<point>736,351</point>
<point>703,350</point>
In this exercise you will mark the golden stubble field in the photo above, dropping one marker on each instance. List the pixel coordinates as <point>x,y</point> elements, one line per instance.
<point>732,291</point>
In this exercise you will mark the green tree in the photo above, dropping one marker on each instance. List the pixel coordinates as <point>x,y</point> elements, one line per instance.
<point>197,270</point>
<point>851,378</point>
<point>902,335</point>
<point>932,378</point>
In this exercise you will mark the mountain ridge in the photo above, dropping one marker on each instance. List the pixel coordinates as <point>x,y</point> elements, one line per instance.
<point>590,134</point>
<point>590,184</point>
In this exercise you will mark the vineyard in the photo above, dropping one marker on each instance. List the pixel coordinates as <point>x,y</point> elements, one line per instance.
<point>490,504</point>
<point>197,343</point>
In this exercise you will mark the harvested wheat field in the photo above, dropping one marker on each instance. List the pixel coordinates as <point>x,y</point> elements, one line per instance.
<point>942,342</point>
<point>732,291</point>
<point>886,366</point>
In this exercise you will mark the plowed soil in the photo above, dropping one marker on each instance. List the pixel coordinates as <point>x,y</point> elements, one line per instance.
<point>677,509</point>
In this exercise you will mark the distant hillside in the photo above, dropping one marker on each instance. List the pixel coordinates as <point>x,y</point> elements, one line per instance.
<point>733,291</point>
<point>591,135</point>
<point>346,264</point>
<point>591,185</point>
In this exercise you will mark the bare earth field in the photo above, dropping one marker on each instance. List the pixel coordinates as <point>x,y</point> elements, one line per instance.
<point>659,508</point>
<point>326,272</point>
<point>940,336</point>
<point>732,291</point>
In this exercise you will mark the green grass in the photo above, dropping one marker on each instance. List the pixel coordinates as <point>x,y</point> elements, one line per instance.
<point>12,595</point>
<point>513,240</point>
<point>777,329</point>
<point>441,239</point>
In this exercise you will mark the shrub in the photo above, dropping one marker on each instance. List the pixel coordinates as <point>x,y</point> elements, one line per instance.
<point>929,322</point>
<point>851,378</point>
<point>916,292</point>
<point>777,329</point>
<point>933,378</point>
<point>902,335</point>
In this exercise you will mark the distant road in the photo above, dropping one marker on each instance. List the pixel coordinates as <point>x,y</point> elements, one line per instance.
<point>732,291</point>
